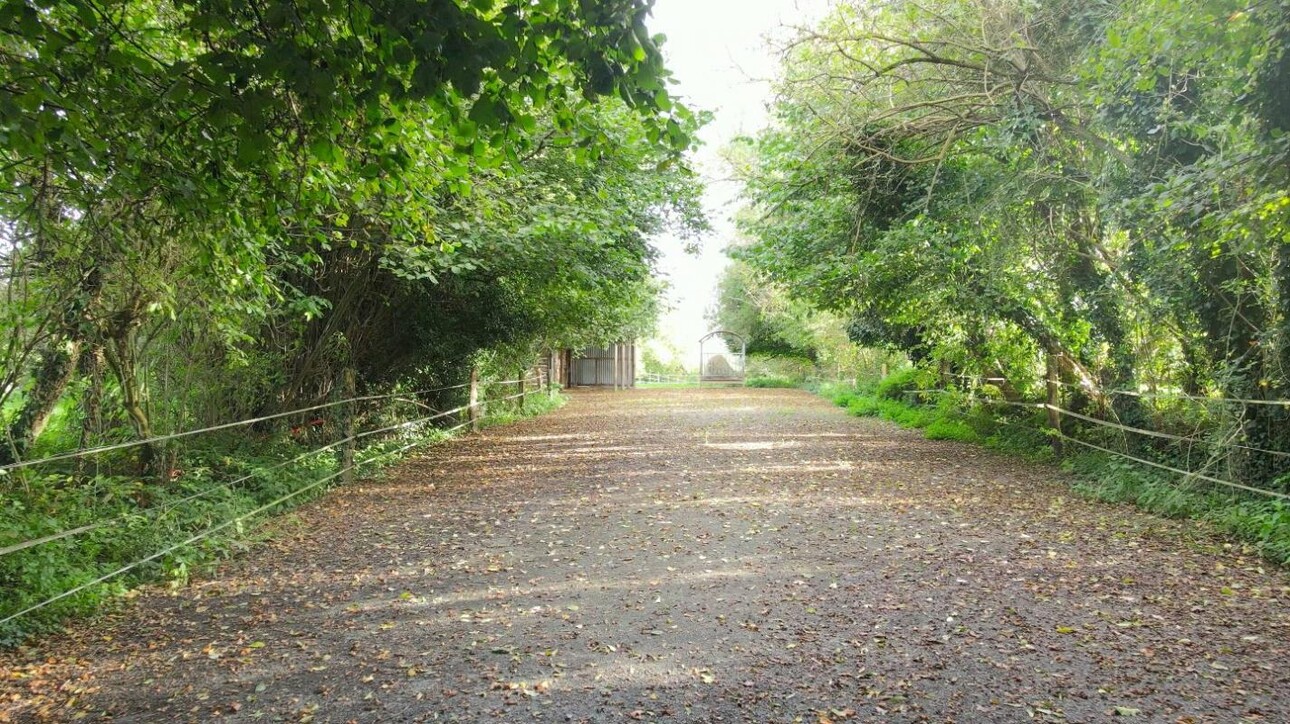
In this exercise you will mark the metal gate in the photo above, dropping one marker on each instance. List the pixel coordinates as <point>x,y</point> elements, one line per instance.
<point>723,357</point>
<point>613,366</point>
<point>594,367</point>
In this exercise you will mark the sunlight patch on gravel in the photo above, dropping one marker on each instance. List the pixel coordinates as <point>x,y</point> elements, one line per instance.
<point>759,445</point>
<point>819,435</point>
<point>633,672</point>
<point>820,467</point>
<point>541,438</point>
<point>834,501</point>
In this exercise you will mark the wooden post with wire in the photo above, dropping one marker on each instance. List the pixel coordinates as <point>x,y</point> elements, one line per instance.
<point>524,396</point>
<point>348,414</point>
<point>1054,416</point>
<point>551,371</point>
<point>473,410</point>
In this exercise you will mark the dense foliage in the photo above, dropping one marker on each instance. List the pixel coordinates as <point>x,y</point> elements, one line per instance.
<point>229,201</point>
<point>788,338</point>
<point>214,209</point>
<point>1095,192</point>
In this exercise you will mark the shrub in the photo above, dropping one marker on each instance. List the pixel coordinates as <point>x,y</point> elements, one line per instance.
<point>946,429</point>
<point>771,382</point>
<point>862,406</point>
<point>897,384</point>
<point>797,369</point>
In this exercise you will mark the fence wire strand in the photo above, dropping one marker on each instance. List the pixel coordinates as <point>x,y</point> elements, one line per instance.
<point>1137,430</point>
<point>229,425</point>
<point>1179,471</point>
<point>250,514</point>
<point>1172,395</point>
<point>228,484</point>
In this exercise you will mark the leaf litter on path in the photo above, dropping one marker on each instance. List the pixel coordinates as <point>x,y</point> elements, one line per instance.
<point>722,555</point>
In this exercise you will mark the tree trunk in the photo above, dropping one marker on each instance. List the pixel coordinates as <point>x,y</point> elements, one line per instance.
<point>348,426</point>
<point>522,392</point>
<point>51,379</point>
<point>56,370</point>
<point>121,358</point>
<point>1052,374</point>
<point>93,362</point>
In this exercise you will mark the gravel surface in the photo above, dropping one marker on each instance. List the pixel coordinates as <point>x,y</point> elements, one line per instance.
<point>723,555</point>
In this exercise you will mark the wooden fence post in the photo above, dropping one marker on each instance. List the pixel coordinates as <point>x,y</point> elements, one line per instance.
<point>523,395</point>
<point>349,387</point>
<point>1054,417</point>
<point>550,376</point>
<point>474,399</point>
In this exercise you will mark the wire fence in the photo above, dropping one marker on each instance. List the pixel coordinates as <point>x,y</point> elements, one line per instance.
<point>86,452</point>
<point>1219,448</point>
<point>655,378</point>
<point>1190,442</point>
<point>236,481</point>
<point>1144,394</point>
<point>470,415</point>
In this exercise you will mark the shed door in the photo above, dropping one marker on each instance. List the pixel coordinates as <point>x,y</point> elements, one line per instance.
<point>594,367</point>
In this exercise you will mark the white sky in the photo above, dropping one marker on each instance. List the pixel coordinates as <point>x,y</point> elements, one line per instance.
<point>718,51</point>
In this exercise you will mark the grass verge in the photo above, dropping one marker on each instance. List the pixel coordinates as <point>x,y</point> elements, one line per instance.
<point>770,382</point>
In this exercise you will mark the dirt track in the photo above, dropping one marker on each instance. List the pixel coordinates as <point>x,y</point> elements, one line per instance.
<point>715,556</point>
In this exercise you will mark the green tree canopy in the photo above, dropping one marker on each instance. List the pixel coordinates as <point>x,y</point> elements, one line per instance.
<point>984,185</point>
<point>256,193</point>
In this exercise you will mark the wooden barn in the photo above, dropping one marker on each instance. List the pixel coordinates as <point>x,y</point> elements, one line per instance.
<point>610,367</point>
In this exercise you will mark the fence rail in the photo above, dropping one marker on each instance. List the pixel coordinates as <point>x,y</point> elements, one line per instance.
<point>1058,413</point>
<point>86,452</point>
<point>1144,394</point>
<point>477,409</point>
<point>655,378</point>
<point>228,484</point>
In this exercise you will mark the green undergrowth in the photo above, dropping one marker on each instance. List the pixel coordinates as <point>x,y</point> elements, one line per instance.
<point>940,419</point>
<point>231,483</point>
<point>1261,524</point>
<point>507,413</point>
<point>771,382</point>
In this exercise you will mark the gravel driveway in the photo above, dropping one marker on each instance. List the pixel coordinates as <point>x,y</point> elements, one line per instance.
<point>724,555</point>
